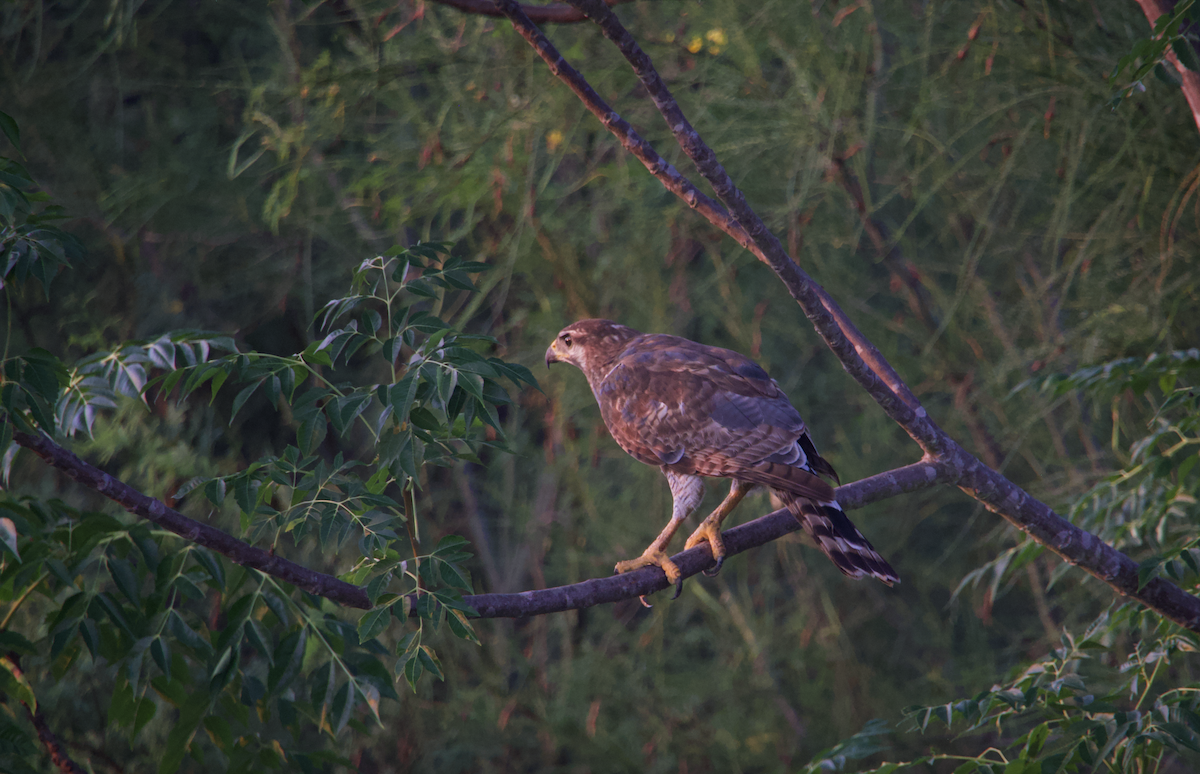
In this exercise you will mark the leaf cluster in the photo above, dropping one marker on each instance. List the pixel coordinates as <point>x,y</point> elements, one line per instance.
<point>1149,55</point>
<point>31,246</point>
<point>238,657</point>
<point>1051,717</point>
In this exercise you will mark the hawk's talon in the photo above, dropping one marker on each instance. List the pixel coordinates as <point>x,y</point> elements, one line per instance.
<point>709,532</point>
<point>716,568</point>
<point>678,589</point>
<point>653,558</point>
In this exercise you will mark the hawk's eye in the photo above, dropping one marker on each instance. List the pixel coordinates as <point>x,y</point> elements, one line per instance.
<point>566,339</point>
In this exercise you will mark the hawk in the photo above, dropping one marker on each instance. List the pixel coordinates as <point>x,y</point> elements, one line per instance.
<point>694,411</point>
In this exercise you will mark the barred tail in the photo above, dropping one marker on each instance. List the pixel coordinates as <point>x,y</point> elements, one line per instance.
<point>839,538</point>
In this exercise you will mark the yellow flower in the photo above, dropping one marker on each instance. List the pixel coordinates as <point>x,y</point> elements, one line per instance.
<point>717,36</point>
<point>554,139</point>
<point>695,44</point>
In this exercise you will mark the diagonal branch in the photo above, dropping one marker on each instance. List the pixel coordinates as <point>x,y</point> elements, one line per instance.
<point>201,534</point>
<point>858,356</point>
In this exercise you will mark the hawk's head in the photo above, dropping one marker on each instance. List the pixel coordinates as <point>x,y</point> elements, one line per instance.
<point>590,344</point>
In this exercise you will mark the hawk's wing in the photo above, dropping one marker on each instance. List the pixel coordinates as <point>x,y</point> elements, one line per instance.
<point>707,411</point>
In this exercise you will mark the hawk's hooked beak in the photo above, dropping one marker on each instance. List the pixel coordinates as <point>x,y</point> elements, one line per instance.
<point>551,356</point>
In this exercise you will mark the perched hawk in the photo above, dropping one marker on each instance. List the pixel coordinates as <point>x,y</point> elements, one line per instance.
<point>695,411</point>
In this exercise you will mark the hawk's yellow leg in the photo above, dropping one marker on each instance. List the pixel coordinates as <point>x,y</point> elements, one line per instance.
<point>686,491</point>
<point>709,530</point>
<point>656,555</point>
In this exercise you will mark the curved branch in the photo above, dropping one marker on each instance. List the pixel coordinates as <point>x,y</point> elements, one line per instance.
<point>996,492</point>
<point>201,534</point>
<point>592,592</point>
<point>857,355</point>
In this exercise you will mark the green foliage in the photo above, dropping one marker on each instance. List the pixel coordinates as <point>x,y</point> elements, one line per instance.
<point>949,172</point>
<point>30,245</point>
<point>1148,55</point>
<point>1059,716</point>
<point>1148,508</point>
<point>237,654</point>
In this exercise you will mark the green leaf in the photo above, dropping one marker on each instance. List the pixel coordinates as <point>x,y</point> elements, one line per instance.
<point>15,642</point>
<point>10,129</point>
<point>126,581</point>
<point>226,668</point>
<point>219,731</point>
<point>182,731</point>
<point>373,623</point>
<point>311,433</point>
<point>460,626</point>
<point>241,399</point>
<point>425,419</point>
<point>430,662</point>
<point>287,659</point>
<point>122,707</point>
<point>343,704</point>
<point>188,636</point>
<point>412,671</point>
<point>257,636</point>
<point>401,395</point>
<point>314,355</point>
<point>13,682</point>
<point>1183,50</point>
<point>322,682</point>
<point>376,587</point>
<point>160,651</point>
<point>1147,570</point>
<point>1166,73</point>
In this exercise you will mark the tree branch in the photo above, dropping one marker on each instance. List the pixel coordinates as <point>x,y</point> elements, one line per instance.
<point>744,537</point>
<point>921,475</point>
<point>554,13</point>
<point>58,757</point>
<point>856,353</point>
<point>201,534</point>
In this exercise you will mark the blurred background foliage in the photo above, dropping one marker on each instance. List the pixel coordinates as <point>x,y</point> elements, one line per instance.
<point>952,172</point>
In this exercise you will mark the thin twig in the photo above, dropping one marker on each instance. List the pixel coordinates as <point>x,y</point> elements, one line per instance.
<point>58,756</point>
